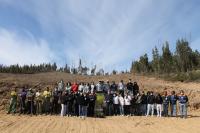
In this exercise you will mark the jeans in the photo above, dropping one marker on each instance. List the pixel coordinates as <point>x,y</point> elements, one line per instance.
<point>63,109</point>
<point>150,107</point>
<point>183,110</point>
<point>121,109</point>
<point>143,109</point>
<point>84,111</point>
<point>165,109</point>
<point>116,109</point>
<point>159,110</point>
<point>173,110</point>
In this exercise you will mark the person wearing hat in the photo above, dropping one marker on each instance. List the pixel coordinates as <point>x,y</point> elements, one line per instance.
<point>13,102</point>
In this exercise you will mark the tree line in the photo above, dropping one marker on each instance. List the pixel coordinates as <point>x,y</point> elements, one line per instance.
<point>183,60</point>
<point>30,69</point>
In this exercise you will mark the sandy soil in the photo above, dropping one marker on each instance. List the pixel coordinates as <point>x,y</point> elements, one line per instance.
<point>56,124</point>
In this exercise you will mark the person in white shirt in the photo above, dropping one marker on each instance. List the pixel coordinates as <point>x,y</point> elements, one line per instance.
<point>92,87</point>
<point>121,104</point>
<point>116,104</point>
<point>121,87</point>
<point>127,104</point>
<point>86,88</point>
<point>80,87</point>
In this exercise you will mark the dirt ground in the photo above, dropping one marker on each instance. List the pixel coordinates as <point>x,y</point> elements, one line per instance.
<point>118,124</point>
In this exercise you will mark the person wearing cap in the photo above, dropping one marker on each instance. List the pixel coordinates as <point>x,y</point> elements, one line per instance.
<point>13,102</point>
<point>183,103</point>
<point>30,101</point>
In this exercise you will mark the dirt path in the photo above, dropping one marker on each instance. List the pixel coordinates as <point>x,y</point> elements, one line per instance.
<point>56,124</point>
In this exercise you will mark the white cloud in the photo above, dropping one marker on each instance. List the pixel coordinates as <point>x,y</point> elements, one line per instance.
<point>16,49</point>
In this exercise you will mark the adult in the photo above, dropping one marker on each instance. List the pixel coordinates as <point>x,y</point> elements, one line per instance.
<point>130,86</point>
<point>13,101</point>
<point>92,100</point>
<point>30,101</point>
<point>47,96</point>
<point>127,104</point>
<point>183,102</point>
<point>63,103</point>
<point>143,103</point>
<point>109,103</point>
<point>55,105</point>
<point>121,87</point>
<point>158,101</point>
<point>121,103</point>
<point>166,100</point>
<point>39,100</point>
<point>173,103</point>
<point>22,100</point>
<point>116,104</point>
<point>150,104</point>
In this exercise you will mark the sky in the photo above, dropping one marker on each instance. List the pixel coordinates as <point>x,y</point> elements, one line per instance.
<point>108,33</point>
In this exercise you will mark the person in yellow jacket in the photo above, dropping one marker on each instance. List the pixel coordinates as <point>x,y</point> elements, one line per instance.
<point>47,103</point>
<point>13,102</point>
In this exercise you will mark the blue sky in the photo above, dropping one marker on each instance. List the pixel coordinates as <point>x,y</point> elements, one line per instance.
<point>108,33</point>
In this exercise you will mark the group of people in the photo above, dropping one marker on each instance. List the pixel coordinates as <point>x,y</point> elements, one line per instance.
<point>80,100</point>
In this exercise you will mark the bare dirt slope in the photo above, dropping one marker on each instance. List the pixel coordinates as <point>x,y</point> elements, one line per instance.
<point>42,80</point>
<point>56,124</point>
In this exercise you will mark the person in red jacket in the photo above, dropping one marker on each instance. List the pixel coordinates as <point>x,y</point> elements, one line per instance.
<point>74,87</point>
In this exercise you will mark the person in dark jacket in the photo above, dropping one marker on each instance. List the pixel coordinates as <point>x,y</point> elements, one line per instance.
<point>70,103</point>
<point>92,99</point>
<point>109,103</point>
<point>135,89</point>
<point>183,102</point>
<point>30,101</point>
<point>22,101</point>
<point>173,101</point>
<point>84,105</point>
<point>55,106</point>
<point>143,103</point>
<point>76,104</point>
<point>150,104</point>
<point>166,100</point>
<point>130,86</point>
<point>158,101</point>
<point>63,100</point>
<point>113,87</point>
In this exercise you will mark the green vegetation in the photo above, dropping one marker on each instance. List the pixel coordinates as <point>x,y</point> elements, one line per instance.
<point>182,65</point>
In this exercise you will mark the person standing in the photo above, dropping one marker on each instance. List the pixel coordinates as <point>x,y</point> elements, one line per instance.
<point>61,86</point>
<point>109,103</point>
<point>150,104</point>
<point>183,103</point>
<point>39,100</point>
<point>22,100</point>
<point>116,104</point>
<point>55,104</point>
<point>143,103</point>
<point>68,87</point>
<point>84,105</point>
<point>13,102</point>
<point>74,87</point>
<point>166,100</point>
<point>121,87</point>
<point>158,101</point>
<point>121,102</point>
<point>173,101</point>
<point>47,97</point>
<point>70,103</point>
<point>92,100</point>
<point>127,104</point>
<point>30,101</point>
<point>113,87</point>
<point>63,103</point>
<point>130,86</point>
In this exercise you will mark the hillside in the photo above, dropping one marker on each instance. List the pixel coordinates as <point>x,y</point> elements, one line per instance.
<point>42,80</point>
